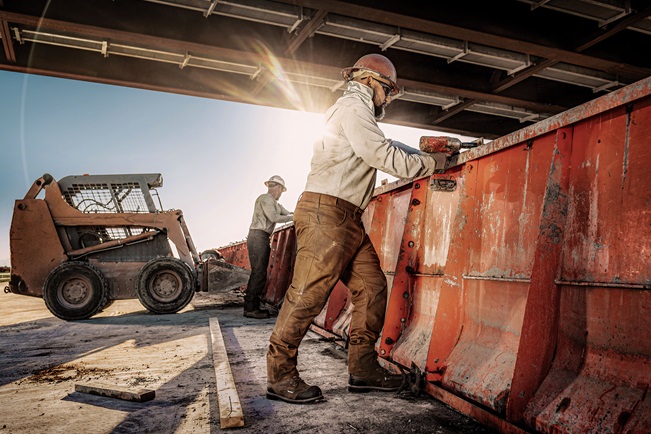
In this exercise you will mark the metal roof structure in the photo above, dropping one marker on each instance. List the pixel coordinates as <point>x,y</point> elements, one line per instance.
<point>469,67</point>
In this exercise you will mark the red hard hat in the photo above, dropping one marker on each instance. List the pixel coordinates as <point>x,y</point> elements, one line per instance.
<point>378,64</point>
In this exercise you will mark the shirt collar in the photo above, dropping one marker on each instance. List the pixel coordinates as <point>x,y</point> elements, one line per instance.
<point>362,91</point>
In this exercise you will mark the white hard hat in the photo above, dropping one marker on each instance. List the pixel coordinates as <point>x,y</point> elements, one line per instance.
<point>278,180</point>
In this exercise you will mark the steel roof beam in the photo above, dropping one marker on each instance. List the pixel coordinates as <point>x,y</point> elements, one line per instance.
<point>314,22</point>
<point>7,43</point>
<point>546,63</point>
<point>252,59</point>
<point>386,36</point>
<point>622,24</point>
<point>476,36</point>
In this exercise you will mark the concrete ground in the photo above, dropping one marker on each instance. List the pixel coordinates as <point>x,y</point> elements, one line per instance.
<point>42,357</point>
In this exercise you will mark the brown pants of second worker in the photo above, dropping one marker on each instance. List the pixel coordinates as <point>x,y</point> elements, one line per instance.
<point>332,245</point>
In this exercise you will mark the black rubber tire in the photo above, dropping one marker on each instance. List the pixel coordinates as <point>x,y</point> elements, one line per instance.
<point>165,285</point>
<point>109,302</point>
<point>75,290</point>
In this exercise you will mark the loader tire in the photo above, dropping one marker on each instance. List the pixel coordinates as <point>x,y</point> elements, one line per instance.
<point>75,290</point>
<point>165,285</point>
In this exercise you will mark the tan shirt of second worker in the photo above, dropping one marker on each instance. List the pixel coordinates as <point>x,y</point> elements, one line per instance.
<point>353,147</point>
<point>267,213</point>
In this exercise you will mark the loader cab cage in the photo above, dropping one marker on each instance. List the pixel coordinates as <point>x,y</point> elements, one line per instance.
<point>112,193</point>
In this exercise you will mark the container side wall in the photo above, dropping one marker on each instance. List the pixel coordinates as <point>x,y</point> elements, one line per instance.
<point>602,370</point>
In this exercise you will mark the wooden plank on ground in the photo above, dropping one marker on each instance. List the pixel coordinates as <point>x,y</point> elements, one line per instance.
<point>112,391</point>
<point>230,408</point>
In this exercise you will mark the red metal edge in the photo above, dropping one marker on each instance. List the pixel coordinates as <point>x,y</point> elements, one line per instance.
<point>477,413</point>
<point>599,105</point>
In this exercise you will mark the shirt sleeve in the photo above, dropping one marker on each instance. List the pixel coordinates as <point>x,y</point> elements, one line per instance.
<point>286,213</point>
<point>368,143</point>
<point>273,211</point>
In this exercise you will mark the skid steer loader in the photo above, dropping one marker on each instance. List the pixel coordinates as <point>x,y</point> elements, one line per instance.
<point>97,238</point>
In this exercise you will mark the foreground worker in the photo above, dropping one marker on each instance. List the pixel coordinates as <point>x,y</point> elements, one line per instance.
<point>266,213</point>
<point>332,242</point>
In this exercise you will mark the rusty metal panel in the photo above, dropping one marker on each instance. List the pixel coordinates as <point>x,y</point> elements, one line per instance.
<point>525,296</point>
<point>35,246</point>
<point>592,236</point>
<point>609,216</point>
<point>449,312</point>
<point>482,363</point>
<point>510,190</point>
<point>538,334</point>
<point>384,219</point>
<point>236,254</point>
<point>414,342</point>
<point>442,203</point>
<point>281,262</point>
<point>281,265</point>
<point>601,374</point>
<point>602,369</point>
<point>512,185</point>
<point>442,198</point>
<point>400,297</point>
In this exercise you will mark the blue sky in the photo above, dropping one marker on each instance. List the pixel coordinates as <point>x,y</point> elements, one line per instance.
<point>214,155</point>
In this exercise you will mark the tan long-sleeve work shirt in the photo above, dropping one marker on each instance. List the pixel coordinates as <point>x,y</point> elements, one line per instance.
<point>353,148</point>
<point>267,212</point>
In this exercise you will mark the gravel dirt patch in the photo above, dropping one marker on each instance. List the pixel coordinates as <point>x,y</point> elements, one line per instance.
<point>42,357</point>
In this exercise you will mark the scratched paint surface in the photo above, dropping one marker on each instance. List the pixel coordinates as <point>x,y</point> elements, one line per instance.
<point>441,211</point>
<point>482,363</point>
<point>601,375</point>
<point>505,219</point>
<point>394,223</point>
<point>512,187</point>
<point>414,342</point>
<point>610,205</point>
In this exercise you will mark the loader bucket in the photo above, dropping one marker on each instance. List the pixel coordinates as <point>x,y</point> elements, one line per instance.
<point>223,276</point>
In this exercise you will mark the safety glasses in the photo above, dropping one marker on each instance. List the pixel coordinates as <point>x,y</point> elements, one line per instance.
<point>386,87</point>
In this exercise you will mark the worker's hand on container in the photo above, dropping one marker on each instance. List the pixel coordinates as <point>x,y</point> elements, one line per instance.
<point>441,160</point>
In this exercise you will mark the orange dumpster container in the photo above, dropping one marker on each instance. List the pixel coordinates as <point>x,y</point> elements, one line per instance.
<point>520,280</point>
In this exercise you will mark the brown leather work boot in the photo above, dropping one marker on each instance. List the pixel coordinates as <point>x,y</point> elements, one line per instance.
<point>375,379</point>
<point>257,314</point>
<point>294,390</point>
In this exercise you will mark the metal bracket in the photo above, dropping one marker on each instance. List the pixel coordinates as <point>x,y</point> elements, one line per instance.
<point>299,19</point>
<point>605,86</point>
<point>17,35</point>
<point>257,73</point>
<point>456,101</point>
<point>392,40</point>
<point>461,54</point>
<point>525,65</point>
<point>413,378</point>
<point>211,8</point>
<point>186,59</point>
<point>443,184</point>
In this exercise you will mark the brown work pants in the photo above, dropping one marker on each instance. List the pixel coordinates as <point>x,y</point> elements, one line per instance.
<point>332,245</point>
